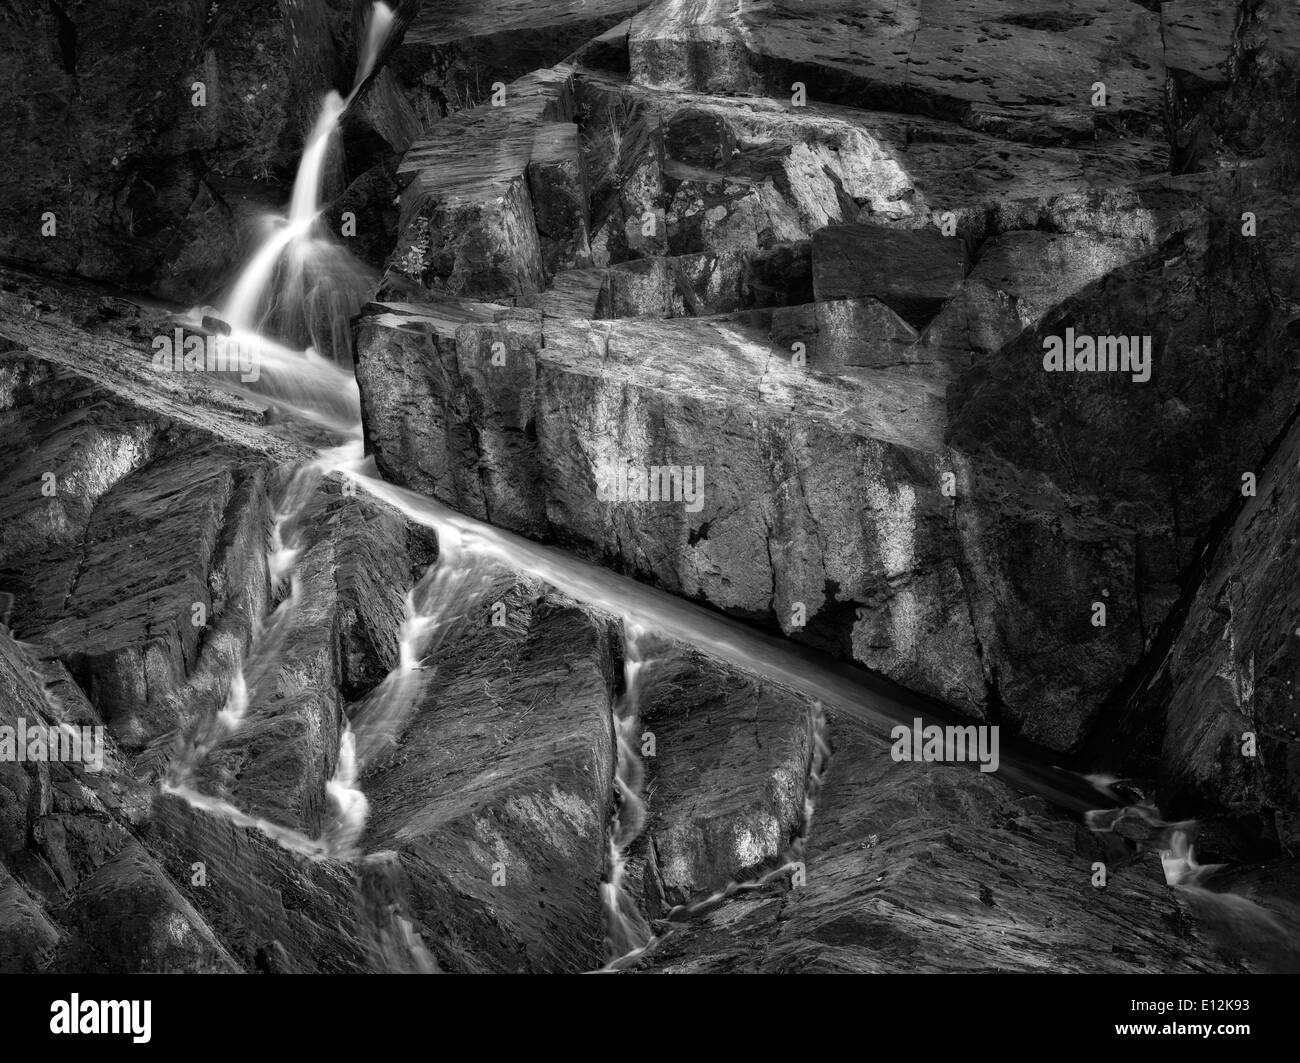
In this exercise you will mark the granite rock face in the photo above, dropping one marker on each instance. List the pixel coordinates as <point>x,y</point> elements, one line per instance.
<point>748,302</point>
<point>1230,704</point>
<point>900,243</point>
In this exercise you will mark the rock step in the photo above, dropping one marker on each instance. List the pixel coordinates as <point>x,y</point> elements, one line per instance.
<point>1030,75</point>
<point>727,779</point>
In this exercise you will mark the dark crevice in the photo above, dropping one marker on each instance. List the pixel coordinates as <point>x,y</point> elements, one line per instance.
<point>67,32</point>
<point>1127,734</point>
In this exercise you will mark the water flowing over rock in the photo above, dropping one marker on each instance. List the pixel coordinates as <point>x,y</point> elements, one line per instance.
<point>650,405</point>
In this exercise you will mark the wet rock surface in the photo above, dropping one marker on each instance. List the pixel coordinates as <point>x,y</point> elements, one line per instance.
<point>728,776</point>
<point>951,226</point>
<point>814,252</point>
<point>1231,713</point>
<point>943,869</point>
<point>496,797</point>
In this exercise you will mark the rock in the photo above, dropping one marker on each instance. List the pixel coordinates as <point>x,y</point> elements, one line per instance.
<point>578,293</point>
<point>1019,276</point>
<point>132,920</point>
<point>914,272</point>
<point>497,795</point>
<point>131,644</point>
<point>810,252</point>
<point>1230,715</point>
<point>700,137</point>
<point>1084,483</point>
<point>372,200</point>
<point>1232,77</point>
<point>947,60</point>
<point>343,618</point>
<point>27,937</point>
<point>624,155</point>
<point>94,105</point>
<point>452,54</point>
<point>895,843</point>
<point>619,392</point>
<point>557,180</point>
<point>1198,38</point>
<point>857,333</point>
<point>727,778</point>
<point>467,224</point>
<point>278,911</point>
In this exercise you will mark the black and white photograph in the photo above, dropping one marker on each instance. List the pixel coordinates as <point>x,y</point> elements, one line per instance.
<point>628,487</point>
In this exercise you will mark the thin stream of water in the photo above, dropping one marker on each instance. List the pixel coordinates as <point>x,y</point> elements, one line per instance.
<point>626,929</point>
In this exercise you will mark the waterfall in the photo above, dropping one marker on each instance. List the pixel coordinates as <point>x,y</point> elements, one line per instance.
<point>296,280</point>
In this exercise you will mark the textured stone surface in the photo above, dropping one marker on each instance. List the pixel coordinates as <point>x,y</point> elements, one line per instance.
<point>775,529</point>
<point>929,869</point>
<point>170,489</point>
<point>1233,665</point>
<point>912,272</point>
<point>496,797</point>
<point>650,255</point>
<point>727,778</point>
<point>144,185</point>
<point>467,224</point>
<point>1084,483</point>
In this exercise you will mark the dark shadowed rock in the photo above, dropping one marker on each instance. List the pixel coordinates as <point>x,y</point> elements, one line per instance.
<point>914,272</point>
<point>27,936</point>
<point>132,920</point>
<point>1091,488</point>
<point>1231,716</point>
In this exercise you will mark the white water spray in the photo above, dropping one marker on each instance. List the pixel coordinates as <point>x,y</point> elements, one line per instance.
<point>343,836</point>
<point>378,28</point>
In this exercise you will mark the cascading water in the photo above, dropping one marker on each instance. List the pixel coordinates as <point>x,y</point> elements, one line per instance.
<point>247,684</point>
<point>325,393</point>
<point>847,690</point>
<point>297,284</point>
<point>379,26</point>
<point>1228,918</point>
<point>626,929</point>
<point>434,606</point>
<point>293,259</point>
<point>792,860</point>
<point>342,837</point>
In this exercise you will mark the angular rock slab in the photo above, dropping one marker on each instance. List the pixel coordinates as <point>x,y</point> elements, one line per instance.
<point>916,868</point>
<point>914,272</point>
<point>496,798</point>
<point>1233,667</point>
<point>727,780</point>
<point>822,498</point>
